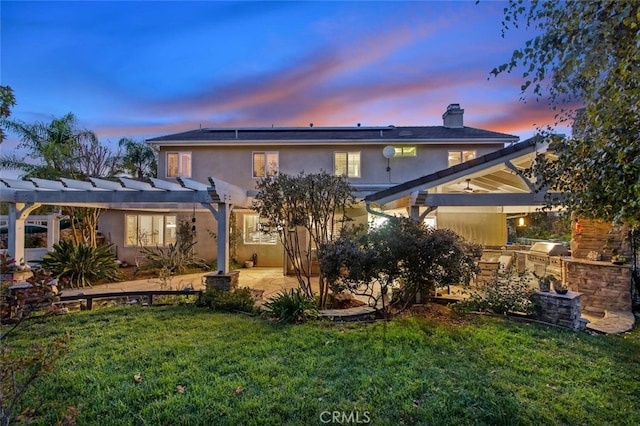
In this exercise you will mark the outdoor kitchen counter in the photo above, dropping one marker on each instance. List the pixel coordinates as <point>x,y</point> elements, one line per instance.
<point>596,262</point>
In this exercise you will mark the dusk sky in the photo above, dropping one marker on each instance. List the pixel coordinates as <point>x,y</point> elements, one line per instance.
<point>146,69</point>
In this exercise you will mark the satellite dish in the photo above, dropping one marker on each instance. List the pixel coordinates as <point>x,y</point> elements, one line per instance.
<point>389,152</point>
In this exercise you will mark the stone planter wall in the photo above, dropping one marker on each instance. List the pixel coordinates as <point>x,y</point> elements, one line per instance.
<point>605,286</point>
<point>560,309</point>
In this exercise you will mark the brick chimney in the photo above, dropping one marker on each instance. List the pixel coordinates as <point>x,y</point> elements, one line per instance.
<point>452,117</point>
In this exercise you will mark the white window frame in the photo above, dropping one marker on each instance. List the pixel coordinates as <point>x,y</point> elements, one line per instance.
<point>252,235</point>
<point>162,230</point>
<point>358,168</point>
<point>183,158</point>
<point>268,168</point>
<point>463,157</point>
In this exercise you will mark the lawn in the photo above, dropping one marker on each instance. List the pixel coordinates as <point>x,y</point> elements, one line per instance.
<point>197,367</point>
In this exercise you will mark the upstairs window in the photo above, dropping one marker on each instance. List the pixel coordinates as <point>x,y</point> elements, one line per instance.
<point>405,151</point>
<point>179,164</point>
<point>265,164</point>
<point>457,157</point>
<point>347,164</point>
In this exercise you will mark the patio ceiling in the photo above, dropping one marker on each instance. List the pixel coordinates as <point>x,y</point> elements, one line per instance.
<point>494,180</point>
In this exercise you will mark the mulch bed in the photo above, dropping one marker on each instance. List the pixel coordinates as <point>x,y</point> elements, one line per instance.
<point>441,313</point>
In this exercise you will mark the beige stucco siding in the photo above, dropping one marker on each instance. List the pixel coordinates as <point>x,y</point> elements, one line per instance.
<point>113,223</point>
<point>234,163</point>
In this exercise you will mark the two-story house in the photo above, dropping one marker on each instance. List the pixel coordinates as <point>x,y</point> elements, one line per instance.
<point>374,160</point>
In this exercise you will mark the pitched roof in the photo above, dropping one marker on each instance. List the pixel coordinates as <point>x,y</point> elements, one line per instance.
<point>322,134</point>
<point>412,185</point>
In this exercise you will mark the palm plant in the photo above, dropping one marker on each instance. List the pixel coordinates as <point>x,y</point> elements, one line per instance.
<point>55,146</point>
<point>139,158</point>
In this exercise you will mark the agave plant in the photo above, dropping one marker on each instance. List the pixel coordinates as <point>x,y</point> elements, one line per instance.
<point>81,265</point>
<point>176,258</point>
<point>291,306</point>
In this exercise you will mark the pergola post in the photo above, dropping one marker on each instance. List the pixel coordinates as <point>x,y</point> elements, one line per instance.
<point>221,213</point>
<point>18,213</point>
<point>53,230</point>
<point>224,211</point>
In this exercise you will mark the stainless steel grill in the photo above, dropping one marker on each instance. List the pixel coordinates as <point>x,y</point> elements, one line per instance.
<point>544,258</point>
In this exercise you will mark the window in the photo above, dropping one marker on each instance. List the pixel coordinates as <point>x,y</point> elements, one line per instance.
<point>405,151</point>
<point>265,164</point>
<point>254,232</point>
<point>150,230</point>
<point>179,164</point>
<point>347,164</point>
<point>457,157</point>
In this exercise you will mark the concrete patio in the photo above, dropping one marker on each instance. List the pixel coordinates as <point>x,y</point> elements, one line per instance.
<point>270,280</point>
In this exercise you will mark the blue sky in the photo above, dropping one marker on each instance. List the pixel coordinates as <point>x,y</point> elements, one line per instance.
<point>150,68</point>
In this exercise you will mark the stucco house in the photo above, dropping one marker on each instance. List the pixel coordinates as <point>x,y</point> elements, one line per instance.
<point>374,160</point>
<point>449,175</point>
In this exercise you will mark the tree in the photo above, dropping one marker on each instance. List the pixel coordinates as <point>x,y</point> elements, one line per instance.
<point>139,159</point>
<point>401,255</point>
<point>61,149</point>
<point>97,160</point>
<point>7,101</point>
<point>586,60</point>
<point>306,211</point>
<point>53,145</point>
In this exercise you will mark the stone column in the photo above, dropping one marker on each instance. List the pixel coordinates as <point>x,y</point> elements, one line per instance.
<point>222,281</point>
<point>560,309</point>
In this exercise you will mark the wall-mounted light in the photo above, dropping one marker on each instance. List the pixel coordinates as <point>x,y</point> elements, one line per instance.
<point>521,221</point>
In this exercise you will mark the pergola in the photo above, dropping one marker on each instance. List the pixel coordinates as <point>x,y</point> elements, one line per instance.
<point>24,196</point>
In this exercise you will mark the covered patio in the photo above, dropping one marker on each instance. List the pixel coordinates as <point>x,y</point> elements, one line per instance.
<point>493,187</point>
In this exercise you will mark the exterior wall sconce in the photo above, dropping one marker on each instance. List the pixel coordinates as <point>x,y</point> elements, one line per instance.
<point>521,221</point>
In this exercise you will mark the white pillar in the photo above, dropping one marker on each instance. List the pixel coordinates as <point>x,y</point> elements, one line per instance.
<point>18,213</point>
<point>224,211</point>
<point>221,214</point>
<point>53,230</point>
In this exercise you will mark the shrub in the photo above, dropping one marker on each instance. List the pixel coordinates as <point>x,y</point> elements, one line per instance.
<point>175,259</point>
<point>239,300</point>
<point>398,259</point>
<point>506,292</point>
<point>81,265</point>
<point>291,306</point>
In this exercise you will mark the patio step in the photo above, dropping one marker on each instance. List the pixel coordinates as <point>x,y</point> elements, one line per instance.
<point>359,313</point>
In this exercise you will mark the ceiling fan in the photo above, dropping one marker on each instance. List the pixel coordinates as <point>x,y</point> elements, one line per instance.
<point>468,189</point>
<point>455,188</point>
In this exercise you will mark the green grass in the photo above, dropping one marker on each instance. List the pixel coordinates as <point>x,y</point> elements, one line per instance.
<point>239,370</point>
